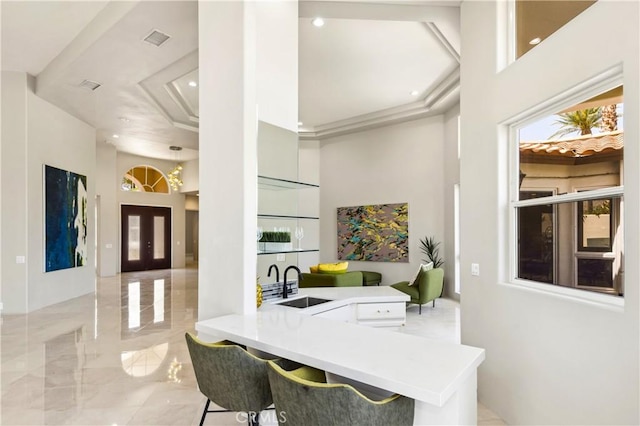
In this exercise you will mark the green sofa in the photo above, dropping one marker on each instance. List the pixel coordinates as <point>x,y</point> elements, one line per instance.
<point>347,279</point>
<point>428,287</point>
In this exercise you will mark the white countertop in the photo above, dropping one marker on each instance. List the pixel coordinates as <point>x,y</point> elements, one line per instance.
<point>342,296</point>
<point>425,369</point>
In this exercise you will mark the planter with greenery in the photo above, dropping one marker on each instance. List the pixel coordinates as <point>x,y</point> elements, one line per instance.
<point>431,248</point>
<point>275,241</point>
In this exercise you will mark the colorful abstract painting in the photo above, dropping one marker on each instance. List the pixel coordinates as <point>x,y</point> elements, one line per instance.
<point>376,233</point>
<point>65,205</point>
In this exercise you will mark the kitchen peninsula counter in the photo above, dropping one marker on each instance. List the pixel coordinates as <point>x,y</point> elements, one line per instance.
<point>440,376</point>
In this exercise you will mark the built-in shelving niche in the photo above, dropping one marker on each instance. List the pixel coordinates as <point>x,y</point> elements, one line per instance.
<point>278,200</point>
<point>275,184</point>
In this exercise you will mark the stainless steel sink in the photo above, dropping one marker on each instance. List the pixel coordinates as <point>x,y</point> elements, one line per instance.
<point>304,302</point>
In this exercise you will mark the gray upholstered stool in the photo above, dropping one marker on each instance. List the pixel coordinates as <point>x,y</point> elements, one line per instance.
<point>310,403</point>
<point>230,377</point>
<point>371,278</point>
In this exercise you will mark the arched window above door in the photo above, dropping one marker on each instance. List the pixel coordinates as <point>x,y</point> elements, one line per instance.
<point>145,179</point>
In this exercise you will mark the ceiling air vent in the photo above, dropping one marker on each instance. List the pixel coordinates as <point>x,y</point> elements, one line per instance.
<point>156,38</point>
<point>88,84</point>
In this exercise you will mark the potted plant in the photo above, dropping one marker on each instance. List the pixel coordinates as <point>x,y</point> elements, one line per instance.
<point>275,241</point>
<point>431,248</point>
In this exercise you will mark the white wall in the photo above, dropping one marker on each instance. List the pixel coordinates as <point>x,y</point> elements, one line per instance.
<point>2,110</point>
<point>228,157</point>
<point>175,200</point>
<point>394,164</point>
<point>58,139</point>
<point>108,213</point>
<point>277,158</point>
<point>550,359</point>
<point>451,178</point>
<point>190,176</point>
<point>35,133</point>
<point>276,28</point>
<point>248,57</point>
<point>14,194</point>
<point>309,201</point>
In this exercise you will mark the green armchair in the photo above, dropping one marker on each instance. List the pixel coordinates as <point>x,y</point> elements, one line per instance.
<point>428,287</point>
<point>347,279</point>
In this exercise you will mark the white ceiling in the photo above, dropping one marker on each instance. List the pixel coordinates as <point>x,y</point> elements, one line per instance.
<point>30,41</point>
<point>358,71</point>
<point>381,63</point>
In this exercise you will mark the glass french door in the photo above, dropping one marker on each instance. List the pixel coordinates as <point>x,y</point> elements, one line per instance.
<point>146,238</point>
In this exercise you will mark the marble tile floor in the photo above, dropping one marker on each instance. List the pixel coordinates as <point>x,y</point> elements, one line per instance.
<point>118,357</point>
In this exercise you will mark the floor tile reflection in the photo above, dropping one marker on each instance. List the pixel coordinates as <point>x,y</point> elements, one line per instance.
<point>103,358</point>
<point>118,357</point>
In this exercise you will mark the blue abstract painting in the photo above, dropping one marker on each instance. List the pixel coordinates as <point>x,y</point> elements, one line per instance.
<point>65,203</point>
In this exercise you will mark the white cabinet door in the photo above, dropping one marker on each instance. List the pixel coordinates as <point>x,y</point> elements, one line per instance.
<point>390,314</point>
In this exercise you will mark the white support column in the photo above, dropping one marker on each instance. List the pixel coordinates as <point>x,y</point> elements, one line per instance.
<point>228,158</point>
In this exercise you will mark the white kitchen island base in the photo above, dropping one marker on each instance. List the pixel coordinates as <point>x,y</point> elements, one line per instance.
<point>460,409</point>
<point>440,376</point>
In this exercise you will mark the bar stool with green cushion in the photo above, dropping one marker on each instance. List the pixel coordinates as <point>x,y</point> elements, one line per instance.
<point>304,401</point>
<point>427,287</point>
<point>230,377</point>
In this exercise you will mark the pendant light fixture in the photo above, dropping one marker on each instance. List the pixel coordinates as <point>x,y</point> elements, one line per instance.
<point>175,174</point>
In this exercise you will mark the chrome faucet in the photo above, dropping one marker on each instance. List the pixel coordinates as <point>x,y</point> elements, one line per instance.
<point>284,284</point>
<point>277,271</point>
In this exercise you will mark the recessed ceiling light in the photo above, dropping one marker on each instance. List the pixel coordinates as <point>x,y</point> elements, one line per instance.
<point>193,84</point>
<point>535,41</point>
<point>124,119</point>
<point>115,136</point>
<point>414,93</point>
<point>317,22</point>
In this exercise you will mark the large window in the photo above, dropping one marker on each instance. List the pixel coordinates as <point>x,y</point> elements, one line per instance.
<point>145,179</point>
<point>568,227</point>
